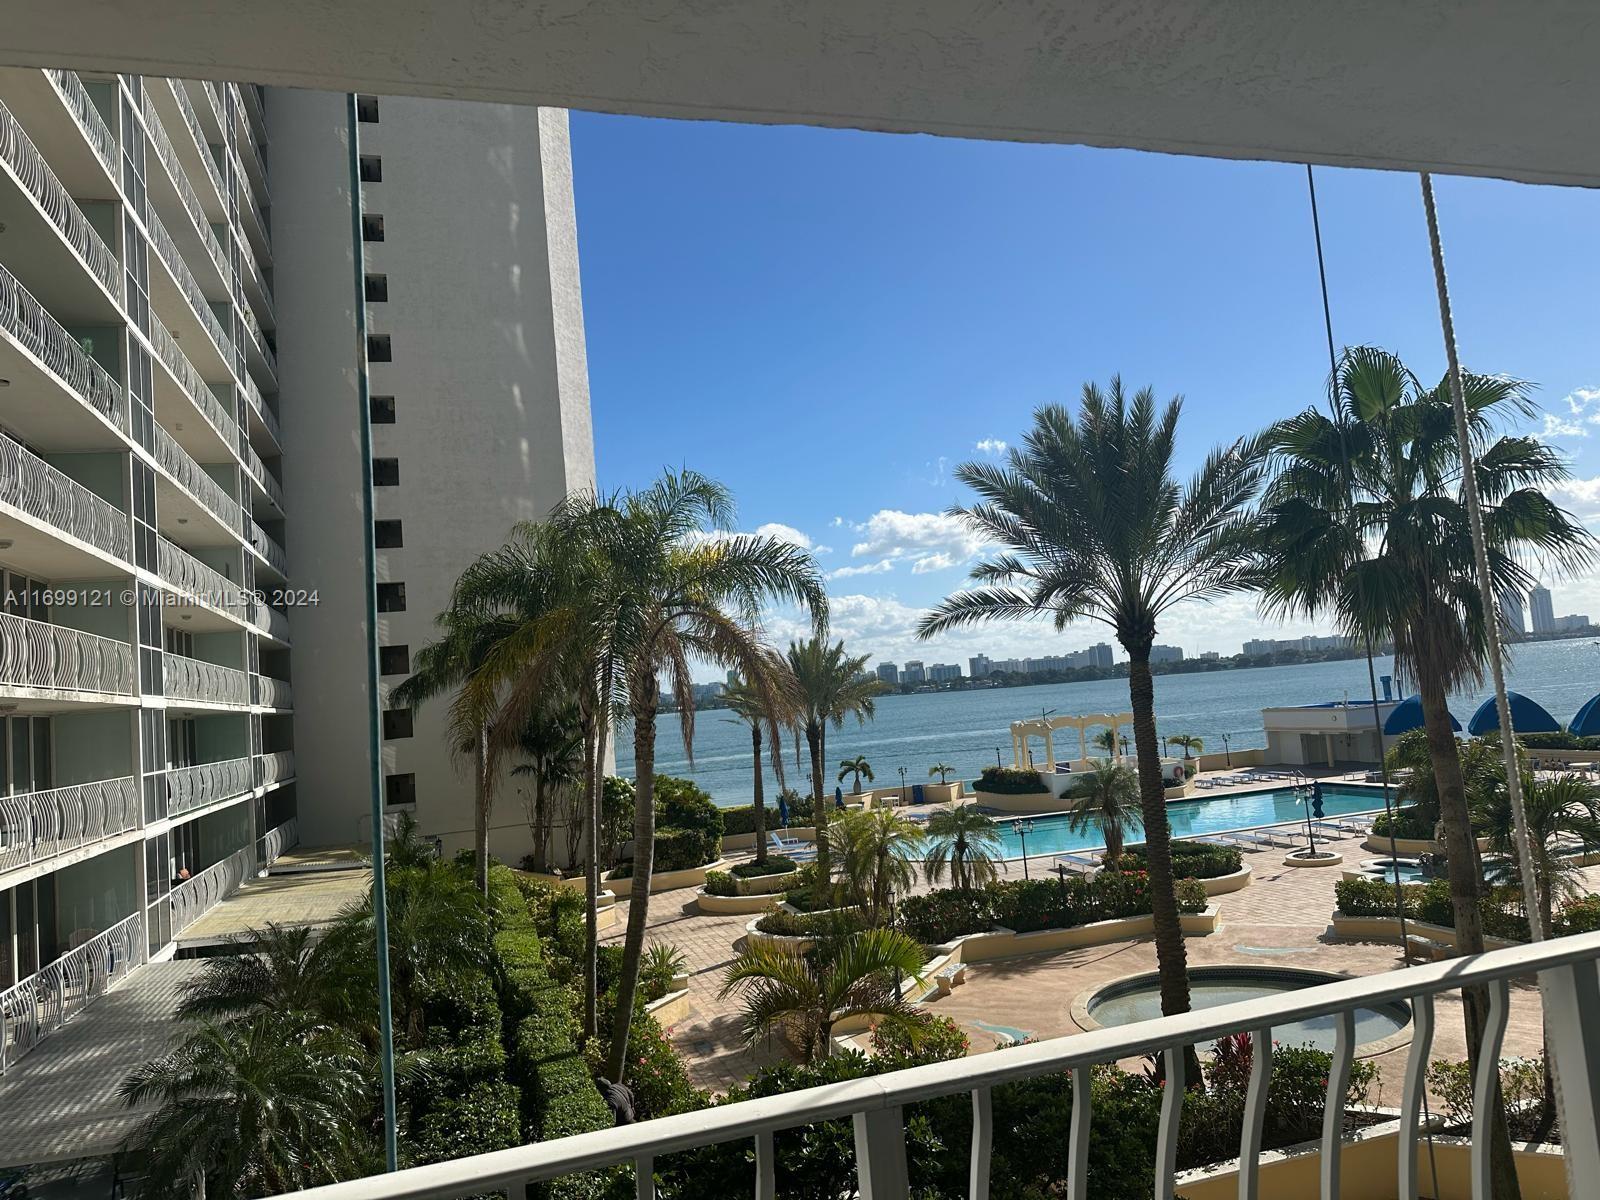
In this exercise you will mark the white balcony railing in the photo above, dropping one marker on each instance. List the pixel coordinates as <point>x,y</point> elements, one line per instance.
<point>76,97</point>
<point>36,826</point>
<point>167,251</point>
<point>40,1004</point>
<point>194,386</point>
<point>19,153</point>
<point>192,477</point>
<point>191,120</point>
<point>194,897</point>
<point>252,395</point>
<point>168,157</point>
<point>267,546</point>
<point>188,575</point>
<point>55,658</point>
<point>276,768</point>
<point>273,621</point>
<point>275,693</point>
<point>189,788</point>
<point>185,678</point>
<point>278,841</point>
<point>25,319</point>
<point>258,471</point>
<point>33,486</point>
<point>877,1105</point>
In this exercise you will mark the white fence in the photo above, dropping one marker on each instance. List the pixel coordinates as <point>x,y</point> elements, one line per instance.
<point>40,825</point>
<point>185,678</point>
<point>193,898</point>
<point>279,840</point>
<point>36,654</point>
<point>274,693</point>
<point>26,321</point>
<point>33,486</point>
<point>187,574</point>
<point>39,1005</point>
<point>276,767</point>
<point>189,788</point>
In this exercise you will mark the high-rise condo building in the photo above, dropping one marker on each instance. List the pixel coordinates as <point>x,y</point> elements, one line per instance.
<point>1541,608</point>
<point>1512,620</point>
<point>888,673</point>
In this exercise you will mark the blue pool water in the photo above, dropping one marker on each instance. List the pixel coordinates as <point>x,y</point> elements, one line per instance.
<point>1209,814</point>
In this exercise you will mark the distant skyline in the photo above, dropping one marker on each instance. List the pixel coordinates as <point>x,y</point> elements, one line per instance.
<point>829,321</point>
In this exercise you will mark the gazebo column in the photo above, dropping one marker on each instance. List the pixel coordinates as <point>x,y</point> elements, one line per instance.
<point>1049,749</point>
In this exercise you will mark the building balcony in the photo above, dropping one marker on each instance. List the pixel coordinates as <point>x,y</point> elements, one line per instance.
<point>260,355</point>
<point>201,489</point>
<point>274,693</point>
<point>276,768</point>
<point>50,243</point>
<point>56,662</point>
<point>250,144</point>
<point>195,897</point>
<point>254,97</point>
<point>43,1002</point>
<point>78,108</point>
<point>61,528</point>
<point>266,420</point>
<point>265,545</point>
<point>172,190</point>
<point>256,288</point>
<point>174,406</point>
<point>192,788</point>
<point>253,218</point>
<point>177,295</point>
<point>37,827</point>
<point>272,623</point>
<point>41,360</point>
<point>257,471</point>
<point>207,587</point>
<point>193,146</point>
<point>202,682</point>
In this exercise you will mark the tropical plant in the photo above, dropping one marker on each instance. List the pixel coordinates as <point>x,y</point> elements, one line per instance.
<point>859,768</point>
<point>406,847</point>
<point>257,1107</point>
<point>1107,802</point>
<point>876,851</point>
<point>1093,525</point>
<point>1366,524</point>
<point>551,740</point>
<point>963,843</point>
<point>663,962</point>
<point>1563,820</point>
<point>278,969</point>
<point>1105,740</point>
<point>774,709</point>
<point>942,770</point>
<point>830,685</point>
<point>1191,744</point>
<point>806,995</point>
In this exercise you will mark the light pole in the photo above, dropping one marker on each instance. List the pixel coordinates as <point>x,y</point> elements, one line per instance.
<point>902,785</point>
<point>1227,753</point>
<point>1022,829</point>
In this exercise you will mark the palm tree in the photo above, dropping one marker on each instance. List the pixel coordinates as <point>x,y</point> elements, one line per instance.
<point>806,995</point>
<point>965,843</point>
<point>1366,523</point>
<point>1563,816</point>
<point>776,710</point>
<point>1106,740</point>
<point>830,686</point>
<point>1093,524</point>
<point>551,741</point>
<point>1109,802</point>
<point>1191,744</point>
<point>877,852</point>
<point>258,1107</point>
<point>277,969</point>
<point>858,767</point>
<point>942,770</point>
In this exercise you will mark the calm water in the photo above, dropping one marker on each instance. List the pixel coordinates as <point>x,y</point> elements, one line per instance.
<point>967,729</point>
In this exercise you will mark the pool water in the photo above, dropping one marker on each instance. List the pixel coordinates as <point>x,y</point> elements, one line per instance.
<point>1139,999</point>
<point>1383,868</point>
<point>1209,814</point>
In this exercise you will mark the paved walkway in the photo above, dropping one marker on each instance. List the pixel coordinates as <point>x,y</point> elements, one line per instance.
<point>314,898</point>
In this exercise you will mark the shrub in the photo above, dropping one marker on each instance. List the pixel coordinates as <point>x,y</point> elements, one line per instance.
<point>776,864</point>
<point>682,805</point>
<point>680,849</point>
<point>483,1117</point>
<point>1407,823</point>
<point>1430,902</point>
<point>947,913</point>
<point>1011,781</point>
<point>720,883</point>
<point>788,924</point>
<point>743,818</point>
<point>1374,898</point>
<point>663,963</point>
<point>919,1040</point>
<point>1193,860</point>
<point>1521,1085</point>
<point>1579,916</point>
<point>1027,905</point>
<point>1558,741</point>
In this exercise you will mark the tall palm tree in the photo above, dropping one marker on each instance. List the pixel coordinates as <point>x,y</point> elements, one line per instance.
<point>775,710</point>
<point>806,995</point>
<point>1366,523</point>
<point>1092,524</point>
<point>942,770</point>
<point>857,767</point>
<point>877,851</point>
<point>830,685</point>
<point>1106,740</point>
<point>551,742</point>
<point>963,843</point>
<point>1190,744</point>
<point>1563,816</point>
<point>685,593</point>
<point>1109,804</point>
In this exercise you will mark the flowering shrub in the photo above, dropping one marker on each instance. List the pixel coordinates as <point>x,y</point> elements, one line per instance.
<point>1029,905</point>
<point>1010,781</point>
<point>921,1039</point>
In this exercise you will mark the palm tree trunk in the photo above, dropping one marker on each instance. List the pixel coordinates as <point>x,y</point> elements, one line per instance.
<point>480,811</point>
<point>1462,848</point>
<point>759,805</point>
<point>540,837</point>
<point>644,856</point>
<point>599,724</point>
<point>819,810</point>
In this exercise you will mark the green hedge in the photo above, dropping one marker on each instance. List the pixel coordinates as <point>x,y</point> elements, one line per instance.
<point>720,883</point>
<point>788,924</point>
<point>1011,781</point>
<point>1190,860</point>
<point>743,818</point>
<point>1029,905</point>
<point>1558,741</point>
<point>1430,902</point>
<point>482,1118</point>
<point>682,805</point>
<point>776,864</point>
<point>1407,823</point>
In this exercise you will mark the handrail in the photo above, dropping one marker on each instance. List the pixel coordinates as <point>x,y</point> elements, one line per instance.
<point>57,658</point>
<point>93,126</point>
<point>278,840</point>
<point>1565,966</point>
<point>191,381</point>
<point>192,477</point>
<point>274,693</point>
<point>191,119</point>
<point>189,788</point>
<point>35,826</point>
<point>191,576</point>
<point>39,1005</point>
<point>25,319</point>
<point>168,155</point>
<point>252,394</point>
<point>185,678</point>
<point>267,546</point>
<point>257,470</point>
<point>33,486</point>
<point>274,622</point>
<point>167,250</point>
<point>191,899</point>
<point>34,173</point>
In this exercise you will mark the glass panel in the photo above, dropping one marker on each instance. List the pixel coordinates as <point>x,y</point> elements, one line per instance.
<point>21,757</point>
<point>27,934</point>
<point>43,766</point>
<point>8,949</point>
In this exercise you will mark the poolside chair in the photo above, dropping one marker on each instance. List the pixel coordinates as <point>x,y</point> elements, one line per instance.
<point>1078,862</point>
<point>793,848</point>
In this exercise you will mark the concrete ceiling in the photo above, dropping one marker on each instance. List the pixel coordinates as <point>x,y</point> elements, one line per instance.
<point>1481,87</point>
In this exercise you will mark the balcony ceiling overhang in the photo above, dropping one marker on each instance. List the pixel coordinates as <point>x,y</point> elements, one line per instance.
<point>1498,87</point>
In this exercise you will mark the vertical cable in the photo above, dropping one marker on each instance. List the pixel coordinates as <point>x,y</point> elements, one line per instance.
<point>380,896</point>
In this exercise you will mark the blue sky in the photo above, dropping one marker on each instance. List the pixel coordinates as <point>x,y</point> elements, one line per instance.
<point>828,321</point>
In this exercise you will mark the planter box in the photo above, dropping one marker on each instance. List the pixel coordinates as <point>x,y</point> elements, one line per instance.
<point>721,906</point>
<point>671,1008</point>
<point>762,885</point>
<point>942,793</point>
<point>1007,943</point>
<point>747,841</point>
<point>1221,885</point>
<point>1324,859</point>
<point>668,881</point>
<point>1388,929</point>
<point>1408,847</point>
<point>1027,802</point>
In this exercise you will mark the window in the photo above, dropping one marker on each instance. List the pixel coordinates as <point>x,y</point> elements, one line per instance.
<point>391,597</point>
<point>396,723</point>
<point>400,789</point>
<point>367,110</point>
<point>377,289</point>
<point>386,535</point>
<point>394,660</point>
<point>372,227</point>
<point>385,472</point>
<point>371,168</point>
<point>382,410</point>
<point>379,348</point>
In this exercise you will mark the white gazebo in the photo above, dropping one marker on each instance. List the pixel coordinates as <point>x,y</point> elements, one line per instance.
<point>1046,728</point>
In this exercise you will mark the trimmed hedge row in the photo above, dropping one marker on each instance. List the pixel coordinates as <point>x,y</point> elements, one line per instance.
<point>1011,781</point>
<point>1190,860</point>
<point>1430,902</point>
<point>1558,741</point>
<point>781,923</point>
<point>743,818</point>
<point>1029,905</point>
<point>731,883</point>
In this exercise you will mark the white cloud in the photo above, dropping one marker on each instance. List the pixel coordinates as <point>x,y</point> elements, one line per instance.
<point>784,533</point>
<point>890,533</point>
<point>837,522</point>
<point>878,568</point>
<point>1559,427</point>
<point>1583,491</point>
<point>1585,403</point>
<point>932,562</point>
<point>991,446</point>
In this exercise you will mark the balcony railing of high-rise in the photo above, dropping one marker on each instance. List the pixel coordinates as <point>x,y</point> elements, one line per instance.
<point>193,384</point>
<point>19,153</point>
<point>167,251</point>
<point>25,320</point>
<point>188,575</point>
<point>56,658</point>
<point>167,155</point>
<point>192,477</point>
<point>40,1004</point>
<point>252,395</point>
<point>197,133</point>
<point>33,487</point>
<point>189,788</point>
<point>267,546</point>
<point>257,340</point>
<point>93,126</point>
<point>194,897</point>
<point>277,841</point>
<point>37,826</point>
<point>185,678</point>
<point>258,471</point>
<point>878,1106</point>
<point>276,768</point>
<point>274,693</point>
<point>273,621</point>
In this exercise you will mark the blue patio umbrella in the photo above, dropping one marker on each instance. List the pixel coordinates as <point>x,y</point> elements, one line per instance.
<point>1587,721</point>
<point>1527,716</point>
<point>1407,715</point>
<point>783,812</point>
<point>838,798</point>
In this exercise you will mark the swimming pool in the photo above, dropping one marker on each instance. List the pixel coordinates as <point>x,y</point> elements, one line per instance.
<point>1190,818</point>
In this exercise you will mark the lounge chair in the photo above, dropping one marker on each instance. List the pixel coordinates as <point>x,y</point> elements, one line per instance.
<point>1079,862</point>
<point>791,847</point>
